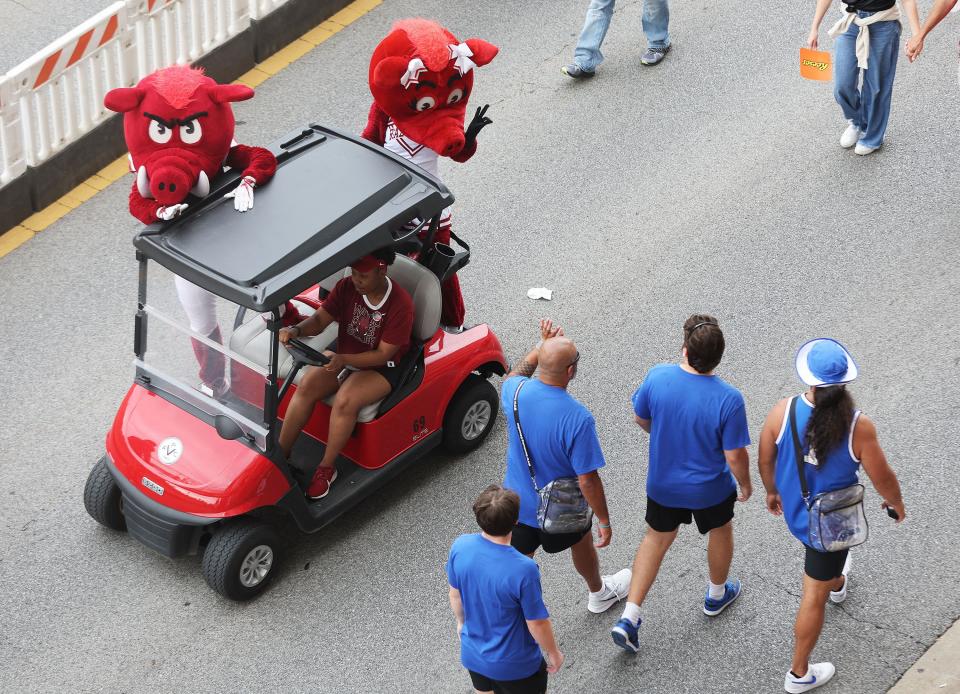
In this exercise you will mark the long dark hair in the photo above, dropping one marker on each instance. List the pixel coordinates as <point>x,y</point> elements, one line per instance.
<point>830,422</point>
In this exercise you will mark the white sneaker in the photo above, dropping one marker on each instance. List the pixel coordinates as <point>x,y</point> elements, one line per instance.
<point>863,150</point>
<point>615,589</point>
<point>817,674</point>
<point>850,135</point>
<point>841,595</point>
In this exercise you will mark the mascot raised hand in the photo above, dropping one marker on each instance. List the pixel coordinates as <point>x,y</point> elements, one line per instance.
<point>421,77</point>
<point>178,126</point>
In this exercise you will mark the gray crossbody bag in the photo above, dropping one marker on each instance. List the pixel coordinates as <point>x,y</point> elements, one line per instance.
<point>562,508</point>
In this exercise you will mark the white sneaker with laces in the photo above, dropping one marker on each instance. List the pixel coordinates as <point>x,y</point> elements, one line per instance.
<point>841,595</point>
<point>850,135</point>
<point>863,150</point>
<point>615,589</point>
<point>817,675</point>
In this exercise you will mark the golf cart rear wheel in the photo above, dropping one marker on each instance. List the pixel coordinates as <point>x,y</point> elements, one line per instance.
<point>241,558</point>
<point>470,415</point>
<point>103,499</point>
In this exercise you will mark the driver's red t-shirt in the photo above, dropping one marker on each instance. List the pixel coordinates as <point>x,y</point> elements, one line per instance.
<point>362,325</point>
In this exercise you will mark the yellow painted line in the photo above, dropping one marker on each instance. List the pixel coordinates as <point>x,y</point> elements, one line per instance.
<point>14,238</point>
<point>118,168</point>
<point>39,221</point>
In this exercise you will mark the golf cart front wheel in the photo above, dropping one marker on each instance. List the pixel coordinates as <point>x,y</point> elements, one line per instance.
<point>241,558</point>
<point>470,415</point>
<point>103,499</point>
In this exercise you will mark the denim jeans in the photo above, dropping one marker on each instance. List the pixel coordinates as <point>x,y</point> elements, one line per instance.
<point>868,106</point>
<point>656,17</point>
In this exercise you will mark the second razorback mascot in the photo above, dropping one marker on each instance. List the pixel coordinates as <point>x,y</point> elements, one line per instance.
<point>179,126</point>
<point>421,77</point>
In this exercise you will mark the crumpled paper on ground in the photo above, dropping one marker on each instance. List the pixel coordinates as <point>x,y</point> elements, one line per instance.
<point>540,293</point>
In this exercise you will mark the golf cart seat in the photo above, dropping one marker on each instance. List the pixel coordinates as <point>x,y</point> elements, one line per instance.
<point>252,339</point>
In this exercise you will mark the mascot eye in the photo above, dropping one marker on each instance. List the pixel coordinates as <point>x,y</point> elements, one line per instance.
<point>455,96</point>
<point>191,132</point>
<point>159,133</point>
<point>426,103</point>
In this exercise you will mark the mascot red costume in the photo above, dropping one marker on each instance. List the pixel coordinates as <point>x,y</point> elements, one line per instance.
<point>421,77</point>
<point>178,126</point>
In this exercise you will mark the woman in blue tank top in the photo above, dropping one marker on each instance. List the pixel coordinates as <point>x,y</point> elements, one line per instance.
<point>836,440</point>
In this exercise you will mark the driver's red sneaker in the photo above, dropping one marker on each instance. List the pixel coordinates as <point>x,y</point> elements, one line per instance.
<point>320,484</point>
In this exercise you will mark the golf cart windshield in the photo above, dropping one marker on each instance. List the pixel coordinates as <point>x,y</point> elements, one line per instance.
<point>184,342</point>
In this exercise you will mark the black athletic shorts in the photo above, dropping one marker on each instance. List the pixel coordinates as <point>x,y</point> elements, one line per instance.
<point>666,519</point>
<point>526,540</point>
<point>534,684</point>
<point>391,373</point>
<point>824,566</point>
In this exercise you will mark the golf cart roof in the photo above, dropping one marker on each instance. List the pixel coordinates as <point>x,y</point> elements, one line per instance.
<point>334,198</point>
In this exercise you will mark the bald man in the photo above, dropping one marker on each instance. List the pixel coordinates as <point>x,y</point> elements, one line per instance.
<point>561,437</point>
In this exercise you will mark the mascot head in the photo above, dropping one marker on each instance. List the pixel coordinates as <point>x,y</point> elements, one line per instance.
<point>421,76</point>
<point>178,126</point>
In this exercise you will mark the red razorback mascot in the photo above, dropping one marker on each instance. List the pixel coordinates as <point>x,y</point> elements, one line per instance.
<point>178,126</point>
<point>421,77</point>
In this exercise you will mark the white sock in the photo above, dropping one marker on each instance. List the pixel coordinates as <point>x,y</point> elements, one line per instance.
<point>715,592</point>
<point>603,590</point>
<point>631,613</point>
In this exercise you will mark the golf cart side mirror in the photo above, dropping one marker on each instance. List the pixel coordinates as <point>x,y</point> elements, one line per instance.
<point>227,428</point>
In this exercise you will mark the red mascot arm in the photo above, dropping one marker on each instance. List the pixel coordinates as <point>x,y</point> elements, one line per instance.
<point>376,130</point>
<point>256,162</point>
<point>143,208</point>
<point>468,151</point>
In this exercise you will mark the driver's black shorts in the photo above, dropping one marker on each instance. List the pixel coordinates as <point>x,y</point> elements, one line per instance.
<point>527,539</point>
<point>391,373</point>
<point>534,684</point>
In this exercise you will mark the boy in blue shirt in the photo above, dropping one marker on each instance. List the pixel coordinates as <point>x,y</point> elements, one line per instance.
<point>698,437</point>
<point>496,597</point>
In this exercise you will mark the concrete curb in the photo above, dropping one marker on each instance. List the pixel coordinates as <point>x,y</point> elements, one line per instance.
<point>41,187</point>
<point>937,671</point>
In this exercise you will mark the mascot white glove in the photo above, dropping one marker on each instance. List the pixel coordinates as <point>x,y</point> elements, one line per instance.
<point>243,194</point>
<point>165,214</point>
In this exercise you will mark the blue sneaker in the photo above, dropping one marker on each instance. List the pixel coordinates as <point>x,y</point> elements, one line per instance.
<point>731,592</point>
<point>625,635</point>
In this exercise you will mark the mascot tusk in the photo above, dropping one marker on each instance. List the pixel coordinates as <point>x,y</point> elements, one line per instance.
<point>202,187</point>
<point>143,182</point>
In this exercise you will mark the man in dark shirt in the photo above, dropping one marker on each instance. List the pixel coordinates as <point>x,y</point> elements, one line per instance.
<point>375,319</point>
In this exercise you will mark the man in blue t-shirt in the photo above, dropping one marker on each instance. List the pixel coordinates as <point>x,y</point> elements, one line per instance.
<point>506,639</point>
<point>561,438</point>
<point>698,437</point>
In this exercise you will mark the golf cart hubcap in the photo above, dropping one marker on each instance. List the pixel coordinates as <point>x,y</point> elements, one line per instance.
<point>256,565</point>
<point>476,420</point>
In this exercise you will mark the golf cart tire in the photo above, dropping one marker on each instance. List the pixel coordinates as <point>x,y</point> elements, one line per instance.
<point>103,498</point>
<point>469,396</point>
<point>226,552</point>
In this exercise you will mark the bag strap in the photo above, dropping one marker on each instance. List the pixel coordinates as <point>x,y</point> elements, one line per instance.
<point>523,441</point>
<point>798,450</point>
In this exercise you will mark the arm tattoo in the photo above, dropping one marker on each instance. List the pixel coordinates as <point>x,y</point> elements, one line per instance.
<point>525,368</point>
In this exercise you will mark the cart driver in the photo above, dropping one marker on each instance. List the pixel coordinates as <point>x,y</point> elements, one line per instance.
<point>375,318</point>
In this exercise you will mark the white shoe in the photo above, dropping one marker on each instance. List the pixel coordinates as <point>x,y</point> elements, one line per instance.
<point>615,589</point>
<point>850,135</point>
<point>817,674</point>
<point>863,150</point>
<point>841,595</point>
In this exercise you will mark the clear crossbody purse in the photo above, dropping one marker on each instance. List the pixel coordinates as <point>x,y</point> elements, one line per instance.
<point>562,507</point>
<point>836,519</point>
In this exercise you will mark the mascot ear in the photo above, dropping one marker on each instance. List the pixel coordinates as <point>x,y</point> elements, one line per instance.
<point>387,73</point>
<point>483,51</point>
<point>223,93</point>
<point>123,99</point>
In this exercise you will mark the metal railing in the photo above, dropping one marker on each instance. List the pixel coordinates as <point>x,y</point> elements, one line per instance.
<point>55,97</point>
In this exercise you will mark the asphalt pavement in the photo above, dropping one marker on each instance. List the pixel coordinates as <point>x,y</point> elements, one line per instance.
<point>711,183</point>
<point>28,26</point>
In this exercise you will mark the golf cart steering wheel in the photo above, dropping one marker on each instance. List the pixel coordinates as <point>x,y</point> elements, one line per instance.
<point>304,353</point>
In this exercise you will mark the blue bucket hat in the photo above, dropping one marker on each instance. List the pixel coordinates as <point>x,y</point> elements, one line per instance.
<point>825,362</point>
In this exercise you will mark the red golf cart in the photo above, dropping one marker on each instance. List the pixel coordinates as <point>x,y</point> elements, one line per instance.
<point>189,470</point>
